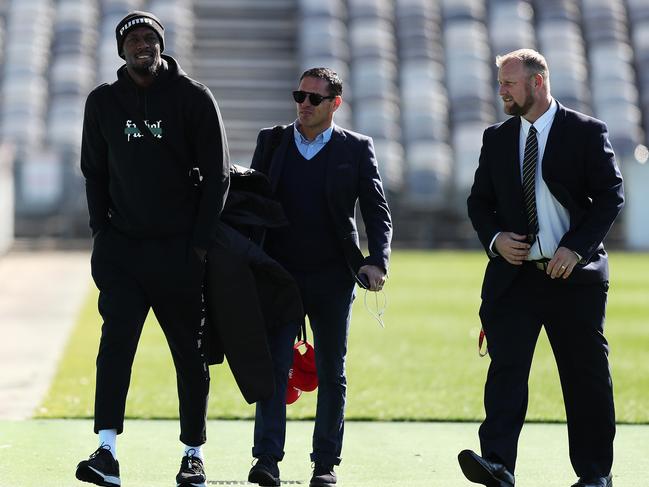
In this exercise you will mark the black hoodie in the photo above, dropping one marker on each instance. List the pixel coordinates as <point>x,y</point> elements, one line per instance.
<point>141,184</point>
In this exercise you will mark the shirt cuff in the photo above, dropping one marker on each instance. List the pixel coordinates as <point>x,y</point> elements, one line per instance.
<point>490,250</point>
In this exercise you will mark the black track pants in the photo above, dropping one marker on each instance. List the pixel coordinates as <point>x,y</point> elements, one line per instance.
<point>133,276</point>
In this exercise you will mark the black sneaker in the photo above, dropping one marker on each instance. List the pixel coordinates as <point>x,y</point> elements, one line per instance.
<point>323,476</point>
<point>100,469</point>
<point>265,472</point>
<point>192,472</point>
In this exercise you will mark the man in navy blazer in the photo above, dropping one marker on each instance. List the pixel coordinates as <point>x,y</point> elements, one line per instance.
<point>318,172</point>
<point>546,192</point>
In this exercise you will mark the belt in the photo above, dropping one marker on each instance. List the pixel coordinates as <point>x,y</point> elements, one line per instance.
<point>541,265</point>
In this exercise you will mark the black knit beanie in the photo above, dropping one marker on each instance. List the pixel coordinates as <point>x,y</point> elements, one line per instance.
<point>138,18</point>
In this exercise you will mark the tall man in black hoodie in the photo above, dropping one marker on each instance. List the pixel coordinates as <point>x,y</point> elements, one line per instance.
<point>149,138</point>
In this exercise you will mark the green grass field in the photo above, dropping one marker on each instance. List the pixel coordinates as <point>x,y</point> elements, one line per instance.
<point>400,454</point>
<point>423,366</point>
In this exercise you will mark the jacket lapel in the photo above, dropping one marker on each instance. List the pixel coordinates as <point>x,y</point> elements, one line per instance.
<point>512,167</point>
<point>279,156</point>
<point>336,155</point>
<point>554,141</point>
<point>336,146</point>
<point>555,165</point>
<point>511,141</point>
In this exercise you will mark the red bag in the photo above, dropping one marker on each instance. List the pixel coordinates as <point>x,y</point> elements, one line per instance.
<point>292,394</point>
<point>303,375</point>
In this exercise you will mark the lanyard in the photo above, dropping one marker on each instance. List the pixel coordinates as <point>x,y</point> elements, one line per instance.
<point>380,304</point>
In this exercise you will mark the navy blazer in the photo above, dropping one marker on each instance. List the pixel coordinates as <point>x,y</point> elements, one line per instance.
<point>581,173</point>
<point>352,175</point>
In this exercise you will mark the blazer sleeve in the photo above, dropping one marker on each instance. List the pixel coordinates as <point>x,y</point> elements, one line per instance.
<point>374,208</point>
<point>94,166</point>
<point>482,200</point>
<point>605,190</point>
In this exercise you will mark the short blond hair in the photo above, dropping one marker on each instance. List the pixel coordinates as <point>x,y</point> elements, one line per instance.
<point>533,61</point>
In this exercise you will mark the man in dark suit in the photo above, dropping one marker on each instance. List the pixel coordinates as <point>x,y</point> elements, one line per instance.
<point>545,194</point>
<point>318,172</point>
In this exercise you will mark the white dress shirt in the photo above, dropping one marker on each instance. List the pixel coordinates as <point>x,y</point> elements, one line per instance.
<point>553,218</point>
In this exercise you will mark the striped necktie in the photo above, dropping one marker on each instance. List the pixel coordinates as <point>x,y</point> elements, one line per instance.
<point>529,176</point>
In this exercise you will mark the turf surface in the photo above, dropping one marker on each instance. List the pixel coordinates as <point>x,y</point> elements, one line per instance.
<point>44,453</point>
<point>423,366</point>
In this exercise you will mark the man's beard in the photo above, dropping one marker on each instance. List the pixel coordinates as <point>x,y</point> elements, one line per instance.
<point>151,70</point>
<point>520,110</point>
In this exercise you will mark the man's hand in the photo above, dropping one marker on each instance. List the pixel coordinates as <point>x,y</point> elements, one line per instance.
<point>512,247</point>
<point>562,263</point>
<point>375,276</point>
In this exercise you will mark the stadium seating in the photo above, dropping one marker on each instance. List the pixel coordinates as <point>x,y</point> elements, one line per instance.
<point>419,77</point>
<point>425,106</point>
<point>245,51</point>
<point>373,80</point>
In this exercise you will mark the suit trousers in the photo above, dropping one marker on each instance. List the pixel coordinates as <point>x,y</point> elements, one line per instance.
<point>133,276</point>
<point>327,297</point>
<point>573,316</point>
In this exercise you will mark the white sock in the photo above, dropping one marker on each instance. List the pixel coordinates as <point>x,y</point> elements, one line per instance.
<point>108,438</point>
<point>194,451</point>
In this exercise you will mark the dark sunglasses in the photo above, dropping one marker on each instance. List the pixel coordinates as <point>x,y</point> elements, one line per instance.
<point>314,98</point>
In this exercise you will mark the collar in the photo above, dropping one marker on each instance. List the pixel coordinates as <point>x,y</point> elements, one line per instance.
<point>543,121</point>
<point>321,138</point>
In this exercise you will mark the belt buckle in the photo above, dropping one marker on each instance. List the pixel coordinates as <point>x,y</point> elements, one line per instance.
<point>541,265</point>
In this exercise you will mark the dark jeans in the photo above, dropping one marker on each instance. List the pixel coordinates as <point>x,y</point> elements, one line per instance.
<point>134,276</point>
<point>573,317</point>
<point>270,414</point>
<point>327,297</point>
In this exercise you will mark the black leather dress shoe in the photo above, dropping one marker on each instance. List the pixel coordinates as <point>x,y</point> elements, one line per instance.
<point>481,471</point>
<point>597,482</point>
<point>265,472</point>
<point>323,476</point>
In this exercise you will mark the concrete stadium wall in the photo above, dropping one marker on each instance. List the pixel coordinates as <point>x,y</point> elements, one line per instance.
<point>636,211</point>
<point>6,197</point>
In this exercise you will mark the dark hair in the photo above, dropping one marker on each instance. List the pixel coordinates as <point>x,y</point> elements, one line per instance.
<point>329,75</point>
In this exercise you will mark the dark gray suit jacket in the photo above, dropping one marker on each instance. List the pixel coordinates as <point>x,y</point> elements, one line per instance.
<point>352,175</point>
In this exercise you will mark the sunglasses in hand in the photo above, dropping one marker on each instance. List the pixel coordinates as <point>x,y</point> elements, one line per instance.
<point>314,98</point>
